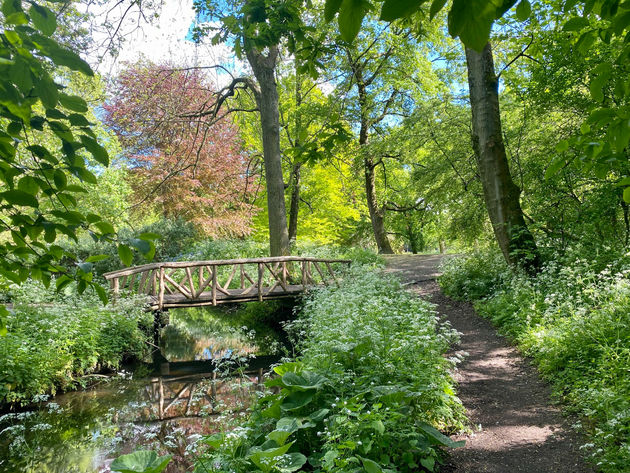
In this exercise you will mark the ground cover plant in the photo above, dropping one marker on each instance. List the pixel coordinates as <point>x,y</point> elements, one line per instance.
<point>54,340</point>
<point>573,319</point>
<point>368,391</point>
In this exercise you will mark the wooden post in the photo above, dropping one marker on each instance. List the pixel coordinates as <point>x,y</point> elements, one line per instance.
<point>214,285</point>
<point>261,269</point>
<point>161,289</point>
<point>242,276</point>
<point>284,273</point>
<point>115,286</point>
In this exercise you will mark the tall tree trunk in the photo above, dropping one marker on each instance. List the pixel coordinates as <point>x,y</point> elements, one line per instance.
<point>294,207</point>
<point>376,212</point>
<point>267,101</point>
<point>502,196</point>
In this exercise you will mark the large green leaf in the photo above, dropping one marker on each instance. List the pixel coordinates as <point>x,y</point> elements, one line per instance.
<point>471,21</point>
<point>304,381</point>
<point>438,437</point>
<point>331,9</point>
<point>99,153</point>
<point>296,400</point>
<point>523,10</point>
<point>351,14</point>
<point>43,19</point>
<point>436,6</point>
<point>18,197</point>
<point>125,254</point>
<point>395,9</point>
<point>142,461</point>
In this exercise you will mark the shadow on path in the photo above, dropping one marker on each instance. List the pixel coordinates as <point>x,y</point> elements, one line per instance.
<point>516,427</point>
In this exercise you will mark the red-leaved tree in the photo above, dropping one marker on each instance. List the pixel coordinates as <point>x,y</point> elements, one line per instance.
<point>184,163</point>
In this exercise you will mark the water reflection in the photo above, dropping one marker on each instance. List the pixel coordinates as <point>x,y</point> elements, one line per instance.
<point>165,407</point>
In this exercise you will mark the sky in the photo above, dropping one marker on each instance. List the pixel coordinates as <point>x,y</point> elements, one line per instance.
<point>165,39</point>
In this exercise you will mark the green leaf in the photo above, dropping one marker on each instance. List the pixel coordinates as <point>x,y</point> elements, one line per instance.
<point>296,400</point>
<point>18,197</point>
<point>70,59</point>
<point>47,91</point>
<point>43,19</point>
<point>125,254</point>
<point>436,6</point>
<point>29,185</point>
<point>395,9</point>
<point>471,21</point>
<point>106,228</point>
<point>149,236</point>
<point>331,9</point>
<point>86,267</point>
<point>523,10</point>
<point>142,461</point>
<point>99,153</point>
<point>428,463</point>
<point>626,194</point>
<point>96,258</point>
<point>304,381</point>
<point>371,466</point>
<point>142,246</point>
<point>291,462</point>
<point>562,146</point>
<point>102,293</point>
<point>554,167</point>
<point>60,179</point>
<point>73,102</point>
<point>351,14</point>
<point>4,313</point>
<point>378,426</point>
<point>576,24</point>
<point>438,437</point>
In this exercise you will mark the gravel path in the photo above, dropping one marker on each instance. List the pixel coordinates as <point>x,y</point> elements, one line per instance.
<point>516,429</point>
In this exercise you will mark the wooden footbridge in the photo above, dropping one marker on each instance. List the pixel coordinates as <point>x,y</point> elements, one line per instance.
<point>202,283</point>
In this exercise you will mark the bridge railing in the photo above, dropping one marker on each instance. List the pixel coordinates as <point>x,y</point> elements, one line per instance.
<point>193,283</point>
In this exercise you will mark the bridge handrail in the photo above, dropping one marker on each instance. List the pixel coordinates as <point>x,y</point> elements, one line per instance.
<point>192,264</point>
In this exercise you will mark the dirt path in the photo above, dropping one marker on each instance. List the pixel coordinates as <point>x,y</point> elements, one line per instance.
<point>520,430</point>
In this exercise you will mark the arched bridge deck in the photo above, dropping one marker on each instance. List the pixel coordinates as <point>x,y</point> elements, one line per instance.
<point>201,283</point>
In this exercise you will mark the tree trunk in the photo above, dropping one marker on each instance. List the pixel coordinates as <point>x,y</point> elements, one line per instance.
<point>500,192</point>
<point>267,101</point>
<point>294,208</point>
<point>376,212</point>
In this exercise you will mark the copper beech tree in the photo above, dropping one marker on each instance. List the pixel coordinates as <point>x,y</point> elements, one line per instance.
<point>184,161</point>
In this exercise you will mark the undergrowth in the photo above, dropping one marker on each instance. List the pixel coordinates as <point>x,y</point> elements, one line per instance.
<point>573,319</point>
<point>53,340</point>
<point>367,393</point>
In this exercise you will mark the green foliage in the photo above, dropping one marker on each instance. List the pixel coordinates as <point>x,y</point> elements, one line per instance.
<point>167,240</point>
<point>54,339</point>
<point>474,276</point>
<point>369,387</point>
<point>574,320</point>
<point>142,461</point>
<point>470,20</point>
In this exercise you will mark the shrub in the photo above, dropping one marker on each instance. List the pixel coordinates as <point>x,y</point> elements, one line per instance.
<point>53,340</point>
<point>368,391</point>
<point>473,276</point>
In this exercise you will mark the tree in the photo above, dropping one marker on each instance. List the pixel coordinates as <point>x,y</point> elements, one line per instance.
<point>472,22</point>
<point>184,162</point>
<point>502,196</point>
<point>258,29</point>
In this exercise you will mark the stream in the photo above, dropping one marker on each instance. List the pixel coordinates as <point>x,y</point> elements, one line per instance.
<point>200,381</point>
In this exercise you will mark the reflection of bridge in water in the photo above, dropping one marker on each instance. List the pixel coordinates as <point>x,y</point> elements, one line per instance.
<point>203,283</point>
<point>188,397</point>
